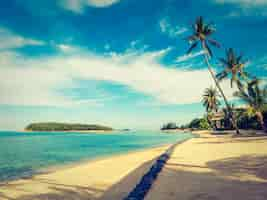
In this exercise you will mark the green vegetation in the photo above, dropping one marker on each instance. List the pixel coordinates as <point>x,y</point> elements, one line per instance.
<point>210,100</point>
<point>198,123</point>
<point>255,98</point>
<point>52,126</point>
<point>169,126</point>
<point>233,68</point>
<point>249,91</point>
<point>201,34</point>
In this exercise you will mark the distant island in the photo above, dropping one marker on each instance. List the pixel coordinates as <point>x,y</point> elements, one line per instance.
<point>54,126</point>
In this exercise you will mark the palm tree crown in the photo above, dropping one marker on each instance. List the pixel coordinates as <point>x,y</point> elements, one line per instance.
<point>256,98</point>
<point>210,99</point>
<point>233,67</point>
<point>202,33</point>
<point>253,95</point>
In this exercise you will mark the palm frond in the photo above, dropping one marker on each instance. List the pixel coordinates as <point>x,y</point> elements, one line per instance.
<point>207,48</point>
<point>194,45</point>
<point>239,58</point>
<point>199,23</point>
<point>222,75</point>
<point>191,38</point>
<point>243,96</point>
<point>201,33</point>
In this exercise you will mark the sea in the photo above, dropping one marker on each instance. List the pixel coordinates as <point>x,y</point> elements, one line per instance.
<point>23,154</point>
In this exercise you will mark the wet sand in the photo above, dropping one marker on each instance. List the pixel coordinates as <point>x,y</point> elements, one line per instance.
<point>109,178</point>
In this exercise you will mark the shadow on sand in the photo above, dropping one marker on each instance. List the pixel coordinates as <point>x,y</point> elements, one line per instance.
<point>73,192</point>
<point>66,191</point>
<point>235,178</point>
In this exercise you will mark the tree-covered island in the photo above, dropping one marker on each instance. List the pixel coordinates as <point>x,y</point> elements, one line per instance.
<point>54,126</point>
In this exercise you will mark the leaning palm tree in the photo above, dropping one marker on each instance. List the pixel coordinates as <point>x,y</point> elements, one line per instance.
<point>210,99</point>
<point>256,98</point>
<point>201,34</point>
<point>233,68</point>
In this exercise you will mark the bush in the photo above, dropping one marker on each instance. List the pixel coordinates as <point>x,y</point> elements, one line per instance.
<point>204,124</point>
<point>168,126</point>
<point>199,123</point>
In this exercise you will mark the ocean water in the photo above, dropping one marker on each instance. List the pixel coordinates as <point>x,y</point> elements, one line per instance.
<point>22,154</point>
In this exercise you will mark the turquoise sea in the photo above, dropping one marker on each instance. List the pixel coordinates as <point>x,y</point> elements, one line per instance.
<point>23,153</point>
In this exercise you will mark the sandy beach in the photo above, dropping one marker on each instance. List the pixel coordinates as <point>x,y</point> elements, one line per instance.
<point>214,168</point>
<point>108,178</point>
<point>208,167</point>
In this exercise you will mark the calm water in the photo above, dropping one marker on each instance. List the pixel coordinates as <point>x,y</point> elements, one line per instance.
<point>22,154</point>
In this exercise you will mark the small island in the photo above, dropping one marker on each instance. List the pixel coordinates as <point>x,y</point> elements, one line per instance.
<point>54,126</point>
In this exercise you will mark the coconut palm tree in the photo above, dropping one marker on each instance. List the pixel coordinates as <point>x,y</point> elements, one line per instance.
<point>201,34</point>
<point>210,99</point>
<point>211,103</point>
<point>233,68</point>
<point>256,98</point>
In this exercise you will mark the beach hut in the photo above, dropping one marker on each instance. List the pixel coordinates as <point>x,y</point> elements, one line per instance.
<point>217,119</point>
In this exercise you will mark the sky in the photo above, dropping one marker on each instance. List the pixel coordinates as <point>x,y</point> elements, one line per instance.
<point>121,63</point>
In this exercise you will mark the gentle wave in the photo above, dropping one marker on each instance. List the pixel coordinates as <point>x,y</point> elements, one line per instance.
<point>23,154</point>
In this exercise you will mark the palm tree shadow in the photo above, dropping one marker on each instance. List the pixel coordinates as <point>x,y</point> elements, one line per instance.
<point>60,193</point>
<point>234,178</point>
<point>122,188</point>
<point>258,139</point>
<point>244,165</point>
<point>57,192</point>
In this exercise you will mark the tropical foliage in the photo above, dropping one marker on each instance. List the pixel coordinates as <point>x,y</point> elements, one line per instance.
<point>256,98</point>
<point>169,126</point>
<point>210,99</point>
<point>52,126</point>
<point>199,123</point>
<point>233,68</point>
<point>254,114</point>
<point>201,34</point>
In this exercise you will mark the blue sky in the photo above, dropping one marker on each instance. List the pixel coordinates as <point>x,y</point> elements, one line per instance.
<point>116,62</point>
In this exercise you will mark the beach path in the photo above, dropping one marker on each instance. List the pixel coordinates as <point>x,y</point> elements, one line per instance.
<point>108,179</point>
<point>214,168</point>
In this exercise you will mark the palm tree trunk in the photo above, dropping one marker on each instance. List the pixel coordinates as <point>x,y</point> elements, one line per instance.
<point>261,121</point>
<point>209,121</point>
<point>233,119</point>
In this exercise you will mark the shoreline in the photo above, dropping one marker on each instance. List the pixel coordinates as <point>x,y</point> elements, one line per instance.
<point>105,172</point>
<point>233,165</point>
<point>71,164</point>
<point>65,166</point>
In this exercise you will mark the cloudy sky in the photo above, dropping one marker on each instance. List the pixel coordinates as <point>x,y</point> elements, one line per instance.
<point>117,62</point>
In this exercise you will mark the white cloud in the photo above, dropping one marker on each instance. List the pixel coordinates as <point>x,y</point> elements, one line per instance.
<point>78,6</point>
<point>65,48</point>
<point>244,2</point>
<point>189,56</point>
<point>245,7</point>
<point>37,81</point>
<point>167,28</point>
<point>10,40</point>
<point>101,3</point>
